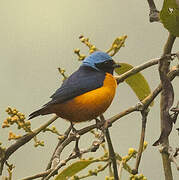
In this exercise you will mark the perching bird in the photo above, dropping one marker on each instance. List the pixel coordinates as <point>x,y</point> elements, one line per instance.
<point>87,93</point>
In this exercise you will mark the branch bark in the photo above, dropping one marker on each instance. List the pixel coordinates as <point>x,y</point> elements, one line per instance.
<point>166,102</point>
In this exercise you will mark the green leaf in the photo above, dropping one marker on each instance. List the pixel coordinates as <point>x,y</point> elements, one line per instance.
<point>73,169</point>
<point>137,81</point>
<point>169,16</point>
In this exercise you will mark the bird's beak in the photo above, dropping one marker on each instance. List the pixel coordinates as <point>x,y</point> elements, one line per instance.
<point>116,65</point>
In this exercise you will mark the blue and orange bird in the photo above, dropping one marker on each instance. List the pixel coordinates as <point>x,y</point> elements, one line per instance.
<point>87,93</point>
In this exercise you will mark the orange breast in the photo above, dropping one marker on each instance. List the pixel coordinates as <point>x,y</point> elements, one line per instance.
<point>88,105</point>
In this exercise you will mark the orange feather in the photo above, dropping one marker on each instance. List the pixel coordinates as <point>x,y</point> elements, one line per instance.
<point>88,105</point>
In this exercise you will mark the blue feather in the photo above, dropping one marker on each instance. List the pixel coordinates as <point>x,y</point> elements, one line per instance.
<point>96,57</point>
<point>83,80</point>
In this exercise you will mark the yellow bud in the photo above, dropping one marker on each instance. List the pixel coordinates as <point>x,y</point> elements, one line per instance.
<point>140,176</point>
<point>102,158</point>
<point>19,114</point>
<point>75,178</point>
<point>15,118</point>
<point>107,178</point>
<point>8,110</point>
<point>5,121</point>
<point>61,137</point>
<point>82,57</point>
<point>22,117</point>
<point>27,123</point>
<point>124,158</point>
<point>77,51</point>
<point>131,151</point>
<point>90,172</point>
<point>20,124</point>
<point>14,111</point>
<point>11,135</point>
<point>145,144</point>
<point>111,178</point>
<point>115,46</point>
<point>93,47</point>
<point>83,39</point>
<point>42,143</point>
<point>4,125</point>
<point>91,51</point>
<point>106,154</point>
<point>8,119</point>
<point>95,172</point>
<point>99,167</point>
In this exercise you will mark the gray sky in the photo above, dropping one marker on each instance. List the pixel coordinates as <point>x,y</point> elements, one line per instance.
<point>37,37</point>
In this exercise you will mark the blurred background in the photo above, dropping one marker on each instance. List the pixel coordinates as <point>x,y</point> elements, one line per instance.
<point>37,37</point>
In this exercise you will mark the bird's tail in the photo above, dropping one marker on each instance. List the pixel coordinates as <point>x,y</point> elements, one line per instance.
<point>42,111</point>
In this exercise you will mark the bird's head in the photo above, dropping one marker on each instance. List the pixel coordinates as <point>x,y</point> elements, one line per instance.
<point>101,61</point>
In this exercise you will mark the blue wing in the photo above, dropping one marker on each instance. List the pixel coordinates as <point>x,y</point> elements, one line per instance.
<point>83,80</point>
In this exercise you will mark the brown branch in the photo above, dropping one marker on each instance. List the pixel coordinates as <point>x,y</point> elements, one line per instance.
<point>62,163</point>
<point>154,13</point>
<point>142,137</point>
<point>137,69</point>
<point>21,141</point>
<point>43,174</point>
<point>166,102</point>
<point>112,155</point>
<point>59,143</point>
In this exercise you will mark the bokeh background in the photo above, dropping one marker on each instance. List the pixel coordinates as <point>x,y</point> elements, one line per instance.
<point>37,37</point>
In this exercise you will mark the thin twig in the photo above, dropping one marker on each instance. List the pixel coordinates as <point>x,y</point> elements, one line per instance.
<point>111,151</point>
<point>136,69</point>
<point>142,137</point>
<point>43,174</point>
<point>173,156</point>
<point>59,143</point>
<point>112,154</point>
<point>120,163</point>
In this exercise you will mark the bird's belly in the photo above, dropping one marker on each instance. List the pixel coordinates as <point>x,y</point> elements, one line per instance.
<point>88,105</point>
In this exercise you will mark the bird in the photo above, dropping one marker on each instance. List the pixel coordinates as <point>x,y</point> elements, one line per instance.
<point>87,93</point>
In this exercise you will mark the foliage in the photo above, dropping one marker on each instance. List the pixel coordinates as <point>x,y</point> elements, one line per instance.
<point>169,16</point>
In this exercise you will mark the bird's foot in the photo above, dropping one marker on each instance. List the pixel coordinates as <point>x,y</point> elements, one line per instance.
<point>76,150</point>
<point>74,131</point>
<point>98,124</point>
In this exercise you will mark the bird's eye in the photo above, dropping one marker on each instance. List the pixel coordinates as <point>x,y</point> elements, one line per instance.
<point>106,62</point>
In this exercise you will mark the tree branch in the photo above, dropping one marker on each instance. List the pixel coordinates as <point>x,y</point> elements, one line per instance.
<point>166,102</point>
<point>21,141</point>
<point>112,155</point>
<point>142,137</point>
<point>154,13</point>
<point>136,69</point>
